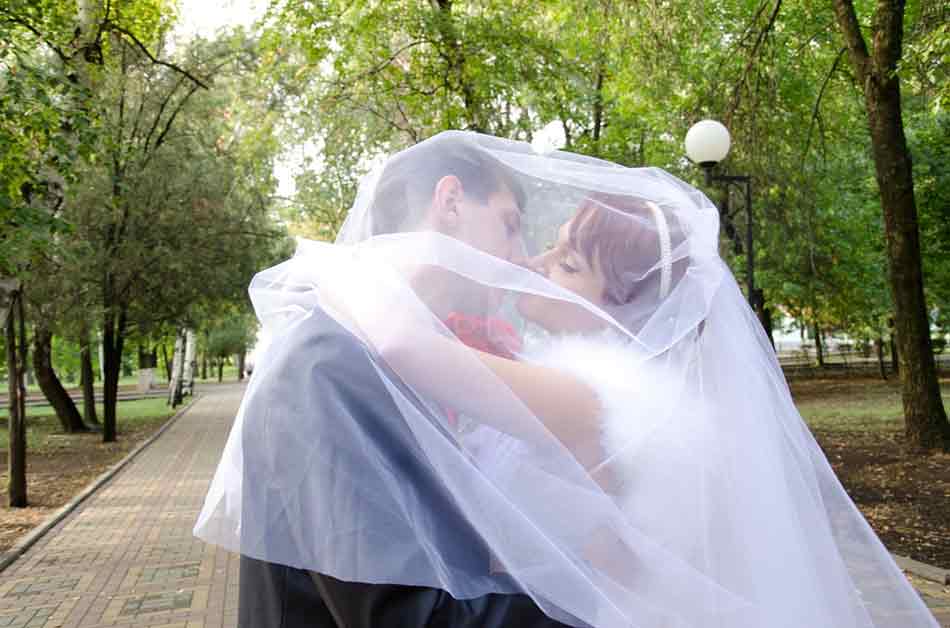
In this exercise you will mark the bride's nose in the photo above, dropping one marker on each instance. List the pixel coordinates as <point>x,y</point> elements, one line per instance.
<point>538,264</point>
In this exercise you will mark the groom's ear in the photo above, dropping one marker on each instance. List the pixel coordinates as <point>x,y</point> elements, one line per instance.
<point>446,198</point>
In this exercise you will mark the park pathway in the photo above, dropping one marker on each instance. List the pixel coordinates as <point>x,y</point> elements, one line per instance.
<point>127,557</point>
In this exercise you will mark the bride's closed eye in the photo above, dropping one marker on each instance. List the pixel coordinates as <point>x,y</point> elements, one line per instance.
<point>566,266</point>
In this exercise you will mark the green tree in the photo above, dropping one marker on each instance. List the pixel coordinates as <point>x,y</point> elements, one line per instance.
<point>625,81</point>
<point>231,336</point>
<point>876,73</point>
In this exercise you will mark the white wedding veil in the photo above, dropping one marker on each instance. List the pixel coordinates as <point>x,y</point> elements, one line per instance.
<point>386,437</point>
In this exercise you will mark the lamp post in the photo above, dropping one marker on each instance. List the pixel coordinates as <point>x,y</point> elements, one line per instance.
<point>707,143</point>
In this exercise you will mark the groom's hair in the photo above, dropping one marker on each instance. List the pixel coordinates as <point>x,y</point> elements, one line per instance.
<point>407,184</point>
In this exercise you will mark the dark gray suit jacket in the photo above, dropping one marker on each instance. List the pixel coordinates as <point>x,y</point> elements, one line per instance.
<point>277,596</point>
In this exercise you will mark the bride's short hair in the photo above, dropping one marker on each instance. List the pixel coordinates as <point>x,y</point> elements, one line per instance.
<point>620,235</point>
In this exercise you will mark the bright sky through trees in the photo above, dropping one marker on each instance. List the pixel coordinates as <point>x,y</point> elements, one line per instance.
<point>204,17</point>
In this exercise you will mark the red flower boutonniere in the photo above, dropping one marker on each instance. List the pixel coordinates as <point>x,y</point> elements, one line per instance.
<point>491,335</point>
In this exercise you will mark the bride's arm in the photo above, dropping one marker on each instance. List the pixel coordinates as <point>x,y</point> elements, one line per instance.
<point>443,369</point>
<point>566,405</point>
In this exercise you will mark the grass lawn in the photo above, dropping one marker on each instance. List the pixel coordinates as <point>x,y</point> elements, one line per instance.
<point>852,405</point>
<point>131,381</point>
<point>61,465</point>
<point>43,429</point>
<point>905,497</point>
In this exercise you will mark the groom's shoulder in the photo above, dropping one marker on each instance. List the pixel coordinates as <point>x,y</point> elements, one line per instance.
<point>318,344</point>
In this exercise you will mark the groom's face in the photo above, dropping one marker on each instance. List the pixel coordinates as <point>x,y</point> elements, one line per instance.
<point>492,225</point>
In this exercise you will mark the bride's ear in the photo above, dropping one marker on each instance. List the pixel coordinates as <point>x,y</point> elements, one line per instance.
<point>445,203</point>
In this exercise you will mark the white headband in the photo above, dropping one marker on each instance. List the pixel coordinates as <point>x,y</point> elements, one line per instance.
<point>666,249</point>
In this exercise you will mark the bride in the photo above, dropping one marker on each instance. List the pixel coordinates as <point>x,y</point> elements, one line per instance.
<point>608,416</point>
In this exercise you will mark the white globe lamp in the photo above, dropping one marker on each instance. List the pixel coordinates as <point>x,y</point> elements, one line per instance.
<point>707,143</point>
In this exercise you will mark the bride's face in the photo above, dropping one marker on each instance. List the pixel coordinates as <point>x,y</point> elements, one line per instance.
<point>564,265</point>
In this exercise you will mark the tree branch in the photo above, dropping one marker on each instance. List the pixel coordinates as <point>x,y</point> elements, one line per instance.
<point>888,35</point>
<point>14,19</point>
<point>379,67</point>
<point>171,119</point>
<point>748,31</point>
<point>158,116</point>
<point>854,40</point>
<point>156,60</point>
<point>815,109</point>
<point>752,56</point>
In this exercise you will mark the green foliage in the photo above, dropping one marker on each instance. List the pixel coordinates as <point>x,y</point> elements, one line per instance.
<point>929,139</point>
<point>51,55</point>
<point>136,185</point>
<point>175,214</point>
<point>140,174</point>
<point>34,155</point>
<point>231,336</point>
<point>42,423</point>
<point>365,78</point>
<point>626,80</point>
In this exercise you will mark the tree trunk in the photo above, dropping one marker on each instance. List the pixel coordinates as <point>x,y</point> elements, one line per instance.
<point>879,347</point>
<point>768,324</point>
<point>241,357</point>
<point>52,388</point>
<point>454,56</point>
<point>16,363</point>
<point>892,343</point>
<point>113,337</point>
<point>86,377</point>
<point>220,370</point>
<point>102,362</point>
<point>925,420</point>
<point>190,363</point>
<point>895,363</point>
<point>598,106</point>
<point>178,363</point>
<point>819,352</point>
<point>761,312</point>
<point>110,383</point>
<point>168,363</point>
<point>204,365</point>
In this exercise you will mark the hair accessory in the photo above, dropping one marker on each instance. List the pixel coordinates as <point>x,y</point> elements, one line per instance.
<point>666,252</point>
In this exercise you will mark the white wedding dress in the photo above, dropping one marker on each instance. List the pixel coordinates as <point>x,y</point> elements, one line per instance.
<point>646,452</point>
<point>680,478</point>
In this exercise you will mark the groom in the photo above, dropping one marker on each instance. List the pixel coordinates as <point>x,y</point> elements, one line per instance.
<point>441,186</point>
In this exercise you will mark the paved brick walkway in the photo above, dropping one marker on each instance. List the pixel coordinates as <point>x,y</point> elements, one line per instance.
<point>937,597</point>
<point>127,558</point>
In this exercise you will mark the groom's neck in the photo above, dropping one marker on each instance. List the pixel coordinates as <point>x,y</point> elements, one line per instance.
<point>445,292</point>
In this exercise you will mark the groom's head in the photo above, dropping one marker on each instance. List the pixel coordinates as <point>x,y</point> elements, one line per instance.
<point>446,184</point>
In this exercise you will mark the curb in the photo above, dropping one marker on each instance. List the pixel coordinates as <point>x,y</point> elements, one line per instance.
<point>132,396</point>
<point>922,570</point>
<point>25,543</point>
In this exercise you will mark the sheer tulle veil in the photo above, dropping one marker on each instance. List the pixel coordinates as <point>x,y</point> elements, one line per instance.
<point>698,497</point>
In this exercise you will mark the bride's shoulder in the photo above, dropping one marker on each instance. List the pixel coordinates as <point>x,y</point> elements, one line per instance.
<point>605,353</point>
